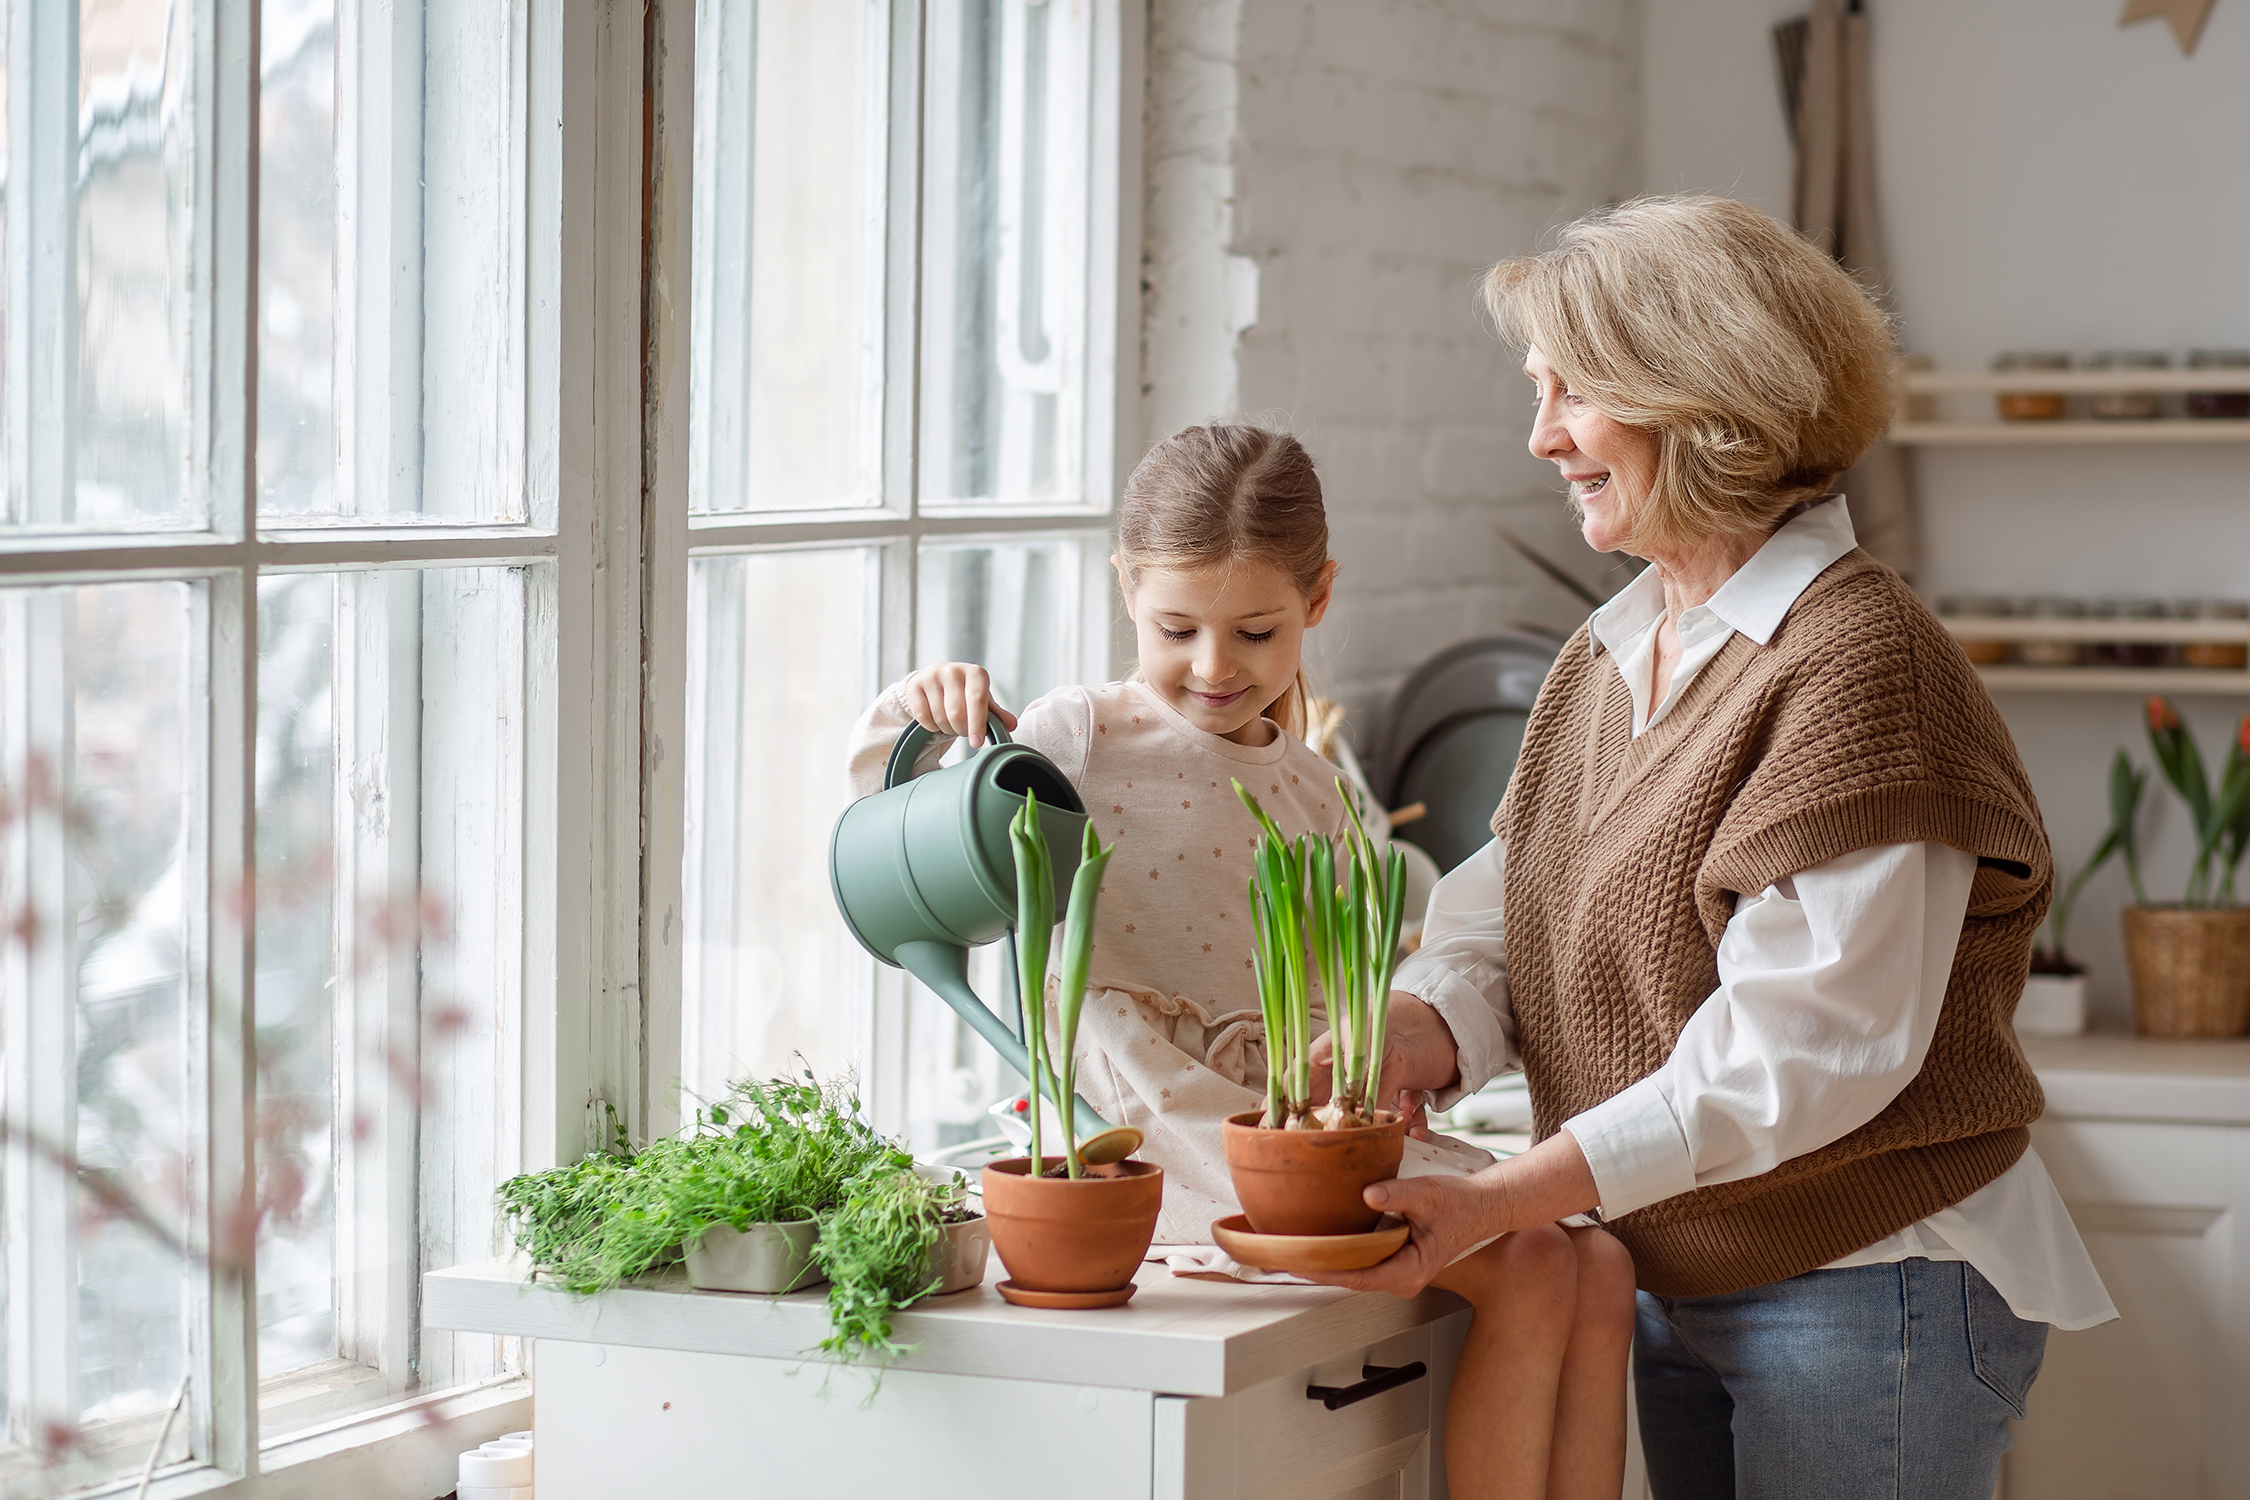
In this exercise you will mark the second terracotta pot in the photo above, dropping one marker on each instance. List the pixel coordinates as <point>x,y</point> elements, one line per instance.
<point>1056,1235</point>
<point>1309,1181</point>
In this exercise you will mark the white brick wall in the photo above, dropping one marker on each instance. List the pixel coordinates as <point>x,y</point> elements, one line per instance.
<point>1325,180</point>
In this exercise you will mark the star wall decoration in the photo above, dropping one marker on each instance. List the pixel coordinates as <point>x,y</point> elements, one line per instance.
<point>2187,18</point>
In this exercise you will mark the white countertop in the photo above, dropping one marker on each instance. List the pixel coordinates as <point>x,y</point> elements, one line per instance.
<point>1180,1336</point>
<point>2120,1077</point>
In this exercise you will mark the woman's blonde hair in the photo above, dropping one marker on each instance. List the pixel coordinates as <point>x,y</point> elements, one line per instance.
<point>1223,493</point>
<point>1762,368</point>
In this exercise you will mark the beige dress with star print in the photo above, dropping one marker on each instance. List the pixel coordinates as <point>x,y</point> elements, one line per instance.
<point>1171,1038</point>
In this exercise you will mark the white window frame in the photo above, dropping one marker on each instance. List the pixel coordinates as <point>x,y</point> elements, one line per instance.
<point>897,527</point>
<point>578,487</point>
<point>605,540</point>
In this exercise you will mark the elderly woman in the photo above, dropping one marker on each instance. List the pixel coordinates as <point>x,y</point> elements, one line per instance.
<point>1758,905</point>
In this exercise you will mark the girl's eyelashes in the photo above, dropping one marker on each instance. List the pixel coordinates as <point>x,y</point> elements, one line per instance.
<point>1254,637</point>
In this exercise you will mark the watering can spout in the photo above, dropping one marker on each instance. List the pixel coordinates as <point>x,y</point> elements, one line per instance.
<point>945,969</point>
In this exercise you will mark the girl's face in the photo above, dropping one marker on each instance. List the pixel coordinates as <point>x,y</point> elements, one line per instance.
<point>1611,467</point>
<point>1222,643</point>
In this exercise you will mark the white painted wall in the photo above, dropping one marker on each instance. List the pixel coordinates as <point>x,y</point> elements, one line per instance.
<point>1325,181</point>
<point>2048,181</point>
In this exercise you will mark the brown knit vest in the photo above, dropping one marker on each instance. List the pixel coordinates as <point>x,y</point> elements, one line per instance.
<point>1860,723</point>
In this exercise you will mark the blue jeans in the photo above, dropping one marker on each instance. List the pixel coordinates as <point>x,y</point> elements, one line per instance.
<point>1894,1381</point>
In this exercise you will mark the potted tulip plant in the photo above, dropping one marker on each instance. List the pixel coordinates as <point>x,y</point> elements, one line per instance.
<point>2191,961</point>
<point>2054,994</point>
<point>1070,1233</point>
<point>1327,912</point>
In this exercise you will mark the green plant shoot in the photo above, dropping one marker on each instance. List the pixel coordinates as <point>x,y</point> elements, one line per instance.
<point>1328,911</point>
<point>1070,998</point>
<point>1035,926</point>
<point>2220,811</point>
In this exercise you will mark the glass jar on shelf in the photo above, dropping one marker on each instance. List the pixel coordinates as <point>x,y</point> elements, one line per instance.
<point>2220,405</point>
<point>2031,405</point>
<point>2127,406</point>
<point>2128,653</point>
<point>1985,651</point>
<point>2048,652</point>
<point>2223,656</point>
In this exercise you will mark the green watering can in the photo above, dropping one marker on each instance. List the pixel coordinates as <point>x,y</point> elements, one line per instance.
<point>923,871</point>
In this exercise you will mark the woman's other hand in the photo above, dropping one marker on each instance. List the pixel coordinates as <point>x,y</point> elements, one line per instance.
<point>954,697</point>
<point>1419,1057</point>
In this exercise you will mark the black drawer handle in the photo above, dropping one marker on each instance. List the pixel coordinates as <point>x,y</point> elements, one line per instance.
<point>1376,1381</point>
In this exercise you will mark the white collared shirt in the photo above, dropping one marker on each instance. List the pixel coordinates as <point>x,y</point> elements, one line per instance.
<point>1830,984</point>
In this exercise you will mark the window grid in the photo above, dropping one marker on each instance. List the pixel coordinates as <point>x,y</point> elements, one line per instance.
<point>1093,295</point>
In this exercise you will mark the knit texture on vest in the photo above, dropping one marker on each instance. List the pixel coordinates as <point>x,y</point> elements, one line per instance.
<point>1860,723</point>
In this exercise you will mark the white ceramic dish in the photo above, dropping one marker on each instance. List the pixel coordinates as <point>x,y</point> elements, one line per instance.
<point>765,1258</point>
<point>958,1260</point>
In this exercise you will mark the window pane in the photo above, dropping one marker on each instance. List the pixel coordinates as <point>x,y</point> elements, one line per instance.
<point>780,655</point>
<point>135,159</point>
<point>786,407</point>
<point>1017,607</point>
<point>101,883</point>
<point>389,384</point>
<point>1004,252</point>
<point>389,920</point>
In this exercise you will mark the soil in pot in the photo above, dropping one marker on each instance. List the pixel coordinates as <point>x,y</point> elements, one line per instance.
<point>767,1258</point>
<point>1088,1236</point>
<point>1310,1181</point>
<point>2191,970</point>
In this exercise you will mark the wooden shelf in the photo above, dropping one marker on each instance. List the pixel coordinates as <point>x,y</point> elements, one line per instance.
<point>2013,434</point>
<point>2042,628</point>
<point>2136,681</point>
<point>2070,382</point>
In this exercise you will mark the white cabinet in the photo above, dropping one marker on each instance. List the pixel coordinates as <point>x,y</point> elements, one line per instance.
<point>1194,1391</point>
<point>2149,1143</point>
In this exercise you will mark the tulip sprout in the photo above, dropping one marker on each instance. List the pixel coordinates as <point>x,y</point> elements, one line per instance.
<point>1035,921</point>
<point>1325,910</point>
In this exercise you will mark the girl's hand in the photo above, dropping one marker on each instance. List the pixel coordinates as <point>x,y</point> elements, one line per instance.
<point>954,697</point>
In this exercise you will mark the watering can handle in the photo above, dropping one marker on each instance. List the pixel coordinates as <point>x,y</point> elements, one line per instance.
<point>914,738</point>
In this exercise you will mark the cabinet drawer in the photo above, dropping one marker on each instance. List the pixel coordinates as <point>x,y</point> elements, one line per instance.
<point>617,1421</point>
<point>1271,1442</point>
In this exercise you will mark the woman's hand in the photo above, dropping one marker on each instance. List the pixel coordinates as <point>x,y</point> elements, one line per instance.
<point>954,697</point>
<point>1419,1057</point>
<point>1450,1215</point>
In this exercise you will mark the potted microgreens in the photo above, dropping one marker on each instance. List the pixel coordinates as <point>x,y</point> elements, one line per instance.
<point>1327,911</point>
<point>772,1189</point>
<point>2191,962</point>
<point>2054,994</point>
<point>1070,1233</point>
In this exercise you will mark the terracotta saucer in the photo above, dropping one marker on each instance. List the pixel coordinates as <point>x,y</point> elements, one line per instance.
<point>1308,1252</point>
<point>1023,1296</point>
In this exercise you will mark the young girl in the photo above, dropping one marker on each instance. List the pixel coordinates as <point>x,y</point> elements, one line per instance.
<point>1222,560</point>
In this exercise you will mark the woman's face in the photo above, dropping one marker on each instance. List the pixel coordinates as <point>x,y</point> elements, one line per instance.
<point>1221,643</point>
<point>1611,467</point>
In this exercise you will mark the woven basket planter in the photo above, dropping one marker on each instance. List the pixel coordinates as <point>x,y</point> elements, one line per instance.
<point>2191,970</point>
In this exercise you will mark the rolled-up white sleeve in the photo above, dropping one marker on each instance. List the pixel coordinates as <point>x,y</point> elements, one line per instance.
<point>1830,984</point>
<point>1461,969</point>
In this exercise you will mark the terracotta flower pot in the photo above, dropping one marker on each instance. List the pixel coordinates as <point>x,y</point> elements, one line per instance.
<point>2191,970</point>
<point>1309,1181</point>
<point>1055,1235</point>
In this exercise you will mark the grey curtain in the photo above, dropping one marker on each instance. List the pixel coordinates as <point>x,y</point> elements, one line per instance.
<point>1827,100</point>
